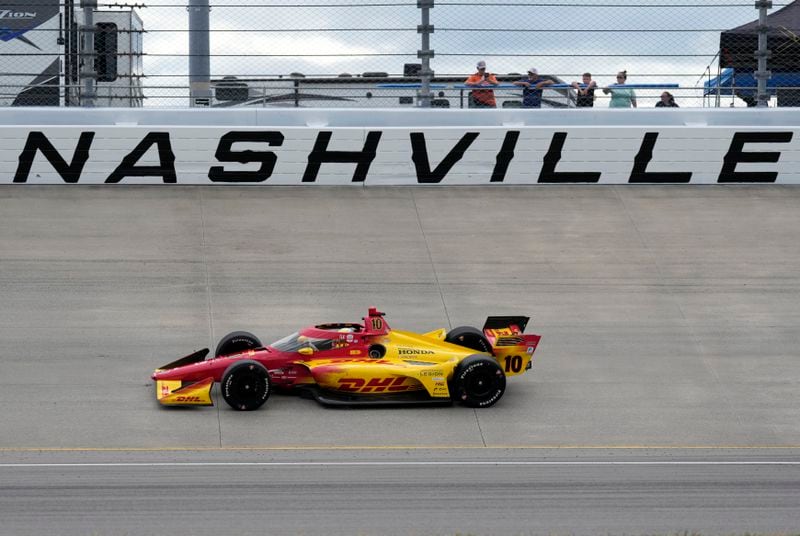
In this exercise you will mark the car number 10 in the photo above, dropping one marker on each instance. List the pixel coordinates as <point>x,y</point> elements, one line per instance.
<point>513,363</point>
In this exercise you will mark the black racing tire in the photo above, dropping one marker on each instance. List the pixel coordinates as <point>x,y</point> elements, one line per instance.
<point>469,337</point>
<point>478,382</point>
<point>235,342</point>
<point>246,385</point>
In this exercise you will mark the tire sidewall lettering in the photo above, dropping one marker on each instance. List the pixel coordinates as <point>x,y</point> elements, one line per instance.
<point>462,392</point>
<point>234,375</point>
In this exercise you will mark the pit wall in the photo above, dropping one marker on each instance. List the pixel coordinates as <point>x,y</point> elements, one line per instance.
<point>399,147</point>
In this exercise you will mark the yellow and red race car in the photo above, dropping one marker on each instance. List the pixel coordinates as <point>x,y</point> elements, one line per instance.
<point>346,364</point>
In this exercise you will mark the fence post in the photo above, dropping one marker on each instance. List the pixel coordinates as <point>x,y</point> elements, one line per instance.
<point>88,72</point>
<point>425,53</point>
<point>762,74</point>
<point>199,52</point>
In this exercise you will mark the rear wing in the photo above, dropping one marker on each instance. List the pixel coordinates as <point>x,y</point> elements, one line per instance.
<point>512,350</point>
<point>509,325</point>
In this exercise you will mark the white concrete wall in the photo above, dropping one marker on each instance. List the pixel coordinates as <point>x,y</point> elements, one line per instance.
<point>398,147</point>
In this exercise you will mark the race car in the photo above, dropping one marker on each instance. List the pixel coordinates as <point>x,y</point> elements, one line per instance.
<point>348,364</point>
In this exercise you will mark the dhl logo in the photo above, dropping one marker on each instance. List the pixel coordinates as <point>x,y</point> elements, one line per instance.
<point>188,399</point>
<point>375,385</point>
<point>502,332</point>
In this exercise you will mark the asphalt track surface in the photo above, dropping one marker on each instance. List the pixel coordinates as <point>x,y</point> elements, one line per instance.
<point>663,398</point>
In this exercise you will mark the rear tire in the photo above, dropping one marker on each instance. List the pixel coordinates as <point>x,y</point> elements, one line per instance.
<point>235,342</point>
<point>246,385</point>
<point>469,337</point>
<point>478,382</point>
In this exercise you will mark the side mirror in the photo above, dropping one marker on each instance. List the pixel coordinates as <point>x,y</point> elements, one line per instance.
<point>305,351</point>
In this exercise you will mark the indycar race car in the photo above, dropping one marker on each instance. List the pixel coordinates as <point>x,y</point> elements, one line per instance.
<point>347,364</point>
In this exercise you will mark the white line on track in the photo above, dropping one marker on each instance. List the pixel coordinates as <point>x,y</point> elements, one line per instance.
<point>386,464</point>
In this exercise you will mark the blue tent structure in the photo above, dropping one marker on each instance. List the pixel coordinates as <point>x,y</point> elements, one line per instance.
<point>737,59</point>
<point>743,82</point>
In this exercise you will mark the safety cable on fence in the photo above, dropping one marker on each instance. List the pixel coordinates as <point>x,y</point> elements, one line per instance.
<point>373,55</point>
<point>137,5</point>
<point>465,4</point>
<point>220,6</point>
<point>551,4</point>
<point>245,77</point>
<point>409,29</point>
<point>125,5</point>
<point>390,30</point>
<point>550,55</point>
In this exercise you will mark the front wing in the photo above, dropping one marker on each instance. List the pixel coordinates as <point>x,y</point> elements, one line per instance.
<point>181,393</point>
<point>175,393</point>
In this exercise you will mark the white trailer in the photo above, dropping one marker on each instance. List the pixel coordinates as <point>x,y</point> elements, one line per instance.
<point>44,57</point>
<point>379,90</point>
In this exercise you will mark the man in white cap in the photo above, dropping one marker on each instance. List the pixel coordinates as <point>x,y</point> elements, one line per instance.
<point>532,89</point>
<point>482,98</point>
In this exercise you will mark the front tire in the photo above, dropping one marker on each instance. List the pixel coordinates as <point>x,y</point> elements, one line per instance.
<point>478,382</point>
<point>246,385</point>
<point>235,342</point>
<point>469,337</point>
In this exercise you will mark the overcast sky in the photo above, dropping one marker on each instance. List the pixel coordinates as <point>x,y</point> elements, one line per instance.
<point>561,37</point>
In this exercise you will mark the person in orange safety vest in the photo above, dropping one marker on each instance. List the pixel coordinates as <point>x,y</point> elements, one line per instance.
<point>482,98</point>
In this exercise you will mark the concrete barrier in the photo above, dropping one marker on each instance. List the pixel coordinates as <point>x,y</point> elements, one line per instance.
<point>398,147</point>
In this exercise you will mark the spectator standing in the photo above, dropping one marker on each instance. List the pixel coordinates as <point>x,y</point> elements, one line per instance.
<point>667,101</point>
<point>621,97</point>
<point>585,93</point>
<point>532,89</point>
<point>482,98</point>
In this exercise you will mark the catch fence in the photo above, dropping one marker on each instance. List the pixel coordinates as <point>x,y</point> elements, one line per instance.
<point>384,53</point>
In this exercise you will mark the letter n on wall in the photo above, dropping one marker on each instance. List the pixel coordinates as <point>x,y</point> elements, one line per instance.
<point>37,141</point>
